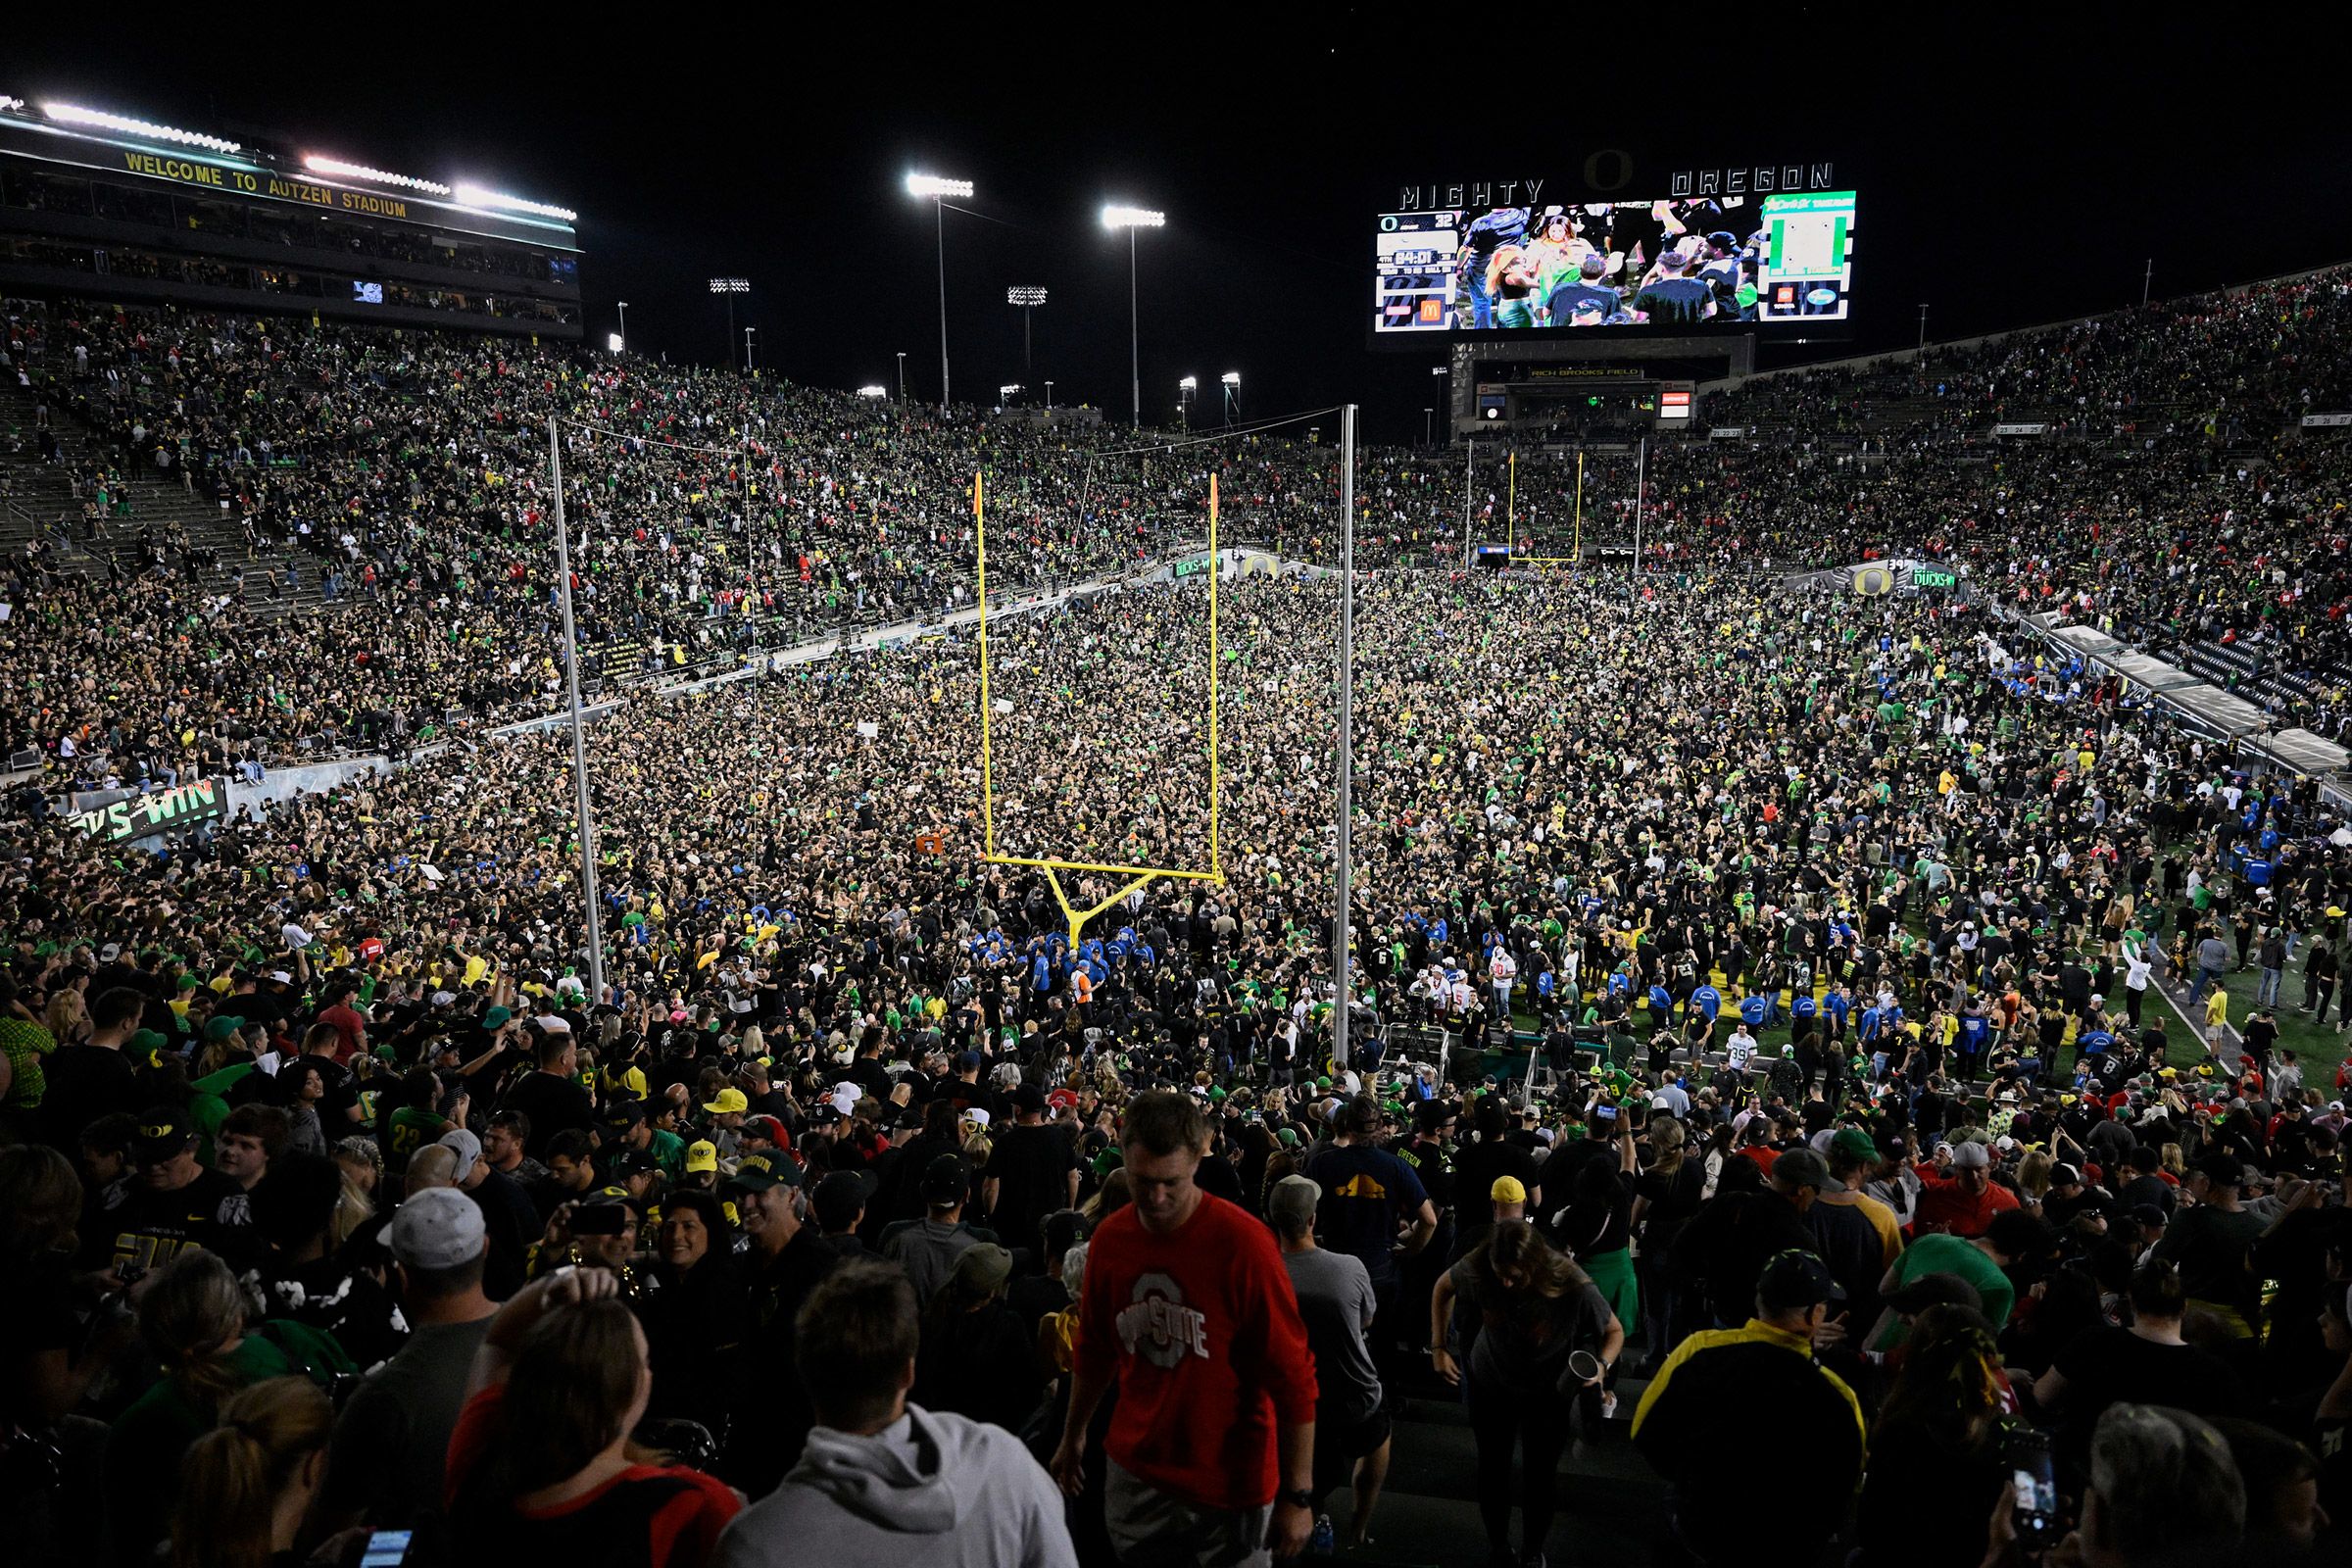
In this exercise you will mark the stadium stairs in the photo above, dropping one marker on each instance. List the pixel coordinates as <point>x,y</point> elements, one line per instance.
<point>39,493</point>
<point>1607,1495</point>
<point>45,491</point>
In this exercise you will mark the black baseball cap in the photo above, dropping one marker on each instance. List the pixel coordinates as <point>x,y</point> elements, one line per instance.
<point>946,1180</point>
<point>164,1131</point>
<point>837,1198</point>
<point>1795,1278</point>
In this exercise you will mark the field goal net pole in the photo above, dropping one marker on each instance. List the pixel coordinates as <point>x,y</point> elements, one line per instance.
<point>1140,877</point>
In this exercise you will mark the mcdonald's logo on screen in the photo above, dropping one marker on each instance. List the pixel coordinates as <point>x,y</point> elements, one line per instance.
<point>1433,309</point>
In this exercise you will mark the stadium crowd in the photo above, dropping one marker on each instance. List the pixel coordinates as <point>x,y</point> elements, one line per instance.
<point>861,1214</point>
<point>407,474</point>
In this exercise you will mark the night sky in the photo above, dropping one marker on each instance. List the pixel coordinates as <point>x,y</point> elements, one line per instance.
<point>2011,169</point>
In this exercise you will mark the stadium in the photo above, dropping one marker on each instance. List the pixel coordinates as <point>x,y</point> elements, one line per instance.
<point>1644,914</point>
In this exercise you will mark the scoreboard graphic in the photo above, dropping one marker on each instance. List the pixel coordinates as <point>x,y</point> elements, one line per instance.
<point>1735,262</point>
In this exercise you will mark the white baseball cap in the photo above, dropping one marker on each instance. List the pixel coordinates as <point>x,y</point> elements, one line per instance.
<point>437,1228</point>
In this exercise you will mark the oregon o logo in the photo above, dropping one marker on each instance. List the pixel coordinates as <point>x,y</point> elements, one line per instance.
<point>1871,582</point>
<point>1621,169</point>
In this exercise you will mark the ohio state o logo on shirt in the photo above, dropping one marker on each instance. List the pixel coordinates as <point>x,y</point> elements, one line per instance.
<point>1158,1326</point>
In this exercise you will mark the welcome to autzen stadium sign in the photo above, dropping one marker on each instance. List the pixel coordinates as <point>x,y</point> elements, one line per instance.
<point>139,816</point>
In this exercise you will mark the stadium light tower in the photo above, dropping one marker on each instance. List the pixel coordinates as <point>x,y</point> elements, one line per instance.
<point>1131,218</point>
<point>1028,298</point>
<point>747,348</point>
<point>939,190</point>
<point>730,287</point>
<point>1231,380</point>
<point>1048,395</point>
<point>625,321</point>
<point>1184,399</point>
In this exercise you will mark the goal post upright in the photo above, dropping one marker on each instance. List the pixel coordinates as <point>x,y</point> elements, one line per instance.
<point>1139,876</point>
<point>1576,546</point>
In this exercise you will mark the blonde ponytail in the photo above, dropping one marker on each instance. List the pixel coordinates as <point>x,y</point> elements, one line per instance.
<point>233,1476</point>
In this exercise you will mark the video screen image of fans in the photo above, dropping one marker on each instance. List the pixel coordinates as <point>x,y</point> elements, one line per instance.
<point>1712,262</point>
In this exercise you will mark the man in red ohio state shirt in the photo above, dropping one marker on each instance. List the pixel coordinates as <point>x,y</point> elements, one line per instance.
<point>1960,1200</point>
<point>1188,1309</point>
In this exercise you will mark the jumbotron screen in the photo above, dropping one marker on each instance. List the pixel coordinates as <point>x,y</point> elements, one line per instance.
<point>1714,262</point>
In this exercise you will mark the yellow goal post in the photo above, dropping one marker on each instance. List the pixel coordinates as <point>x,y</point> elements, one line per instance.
<point>1576,549</point>
<point>1137,875</point>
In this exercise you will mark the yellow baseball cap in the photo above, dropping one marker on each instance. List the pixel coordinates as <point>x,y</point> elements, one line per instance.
<point>701,1156</point>
<point>1508,1190</point>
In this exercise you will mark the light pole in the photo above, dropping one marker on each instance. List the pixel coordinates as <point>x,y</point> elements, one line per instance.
<point>1184,399</point>
<point>624,323</point>
<point>583,816</point>
<point>902,376</point>
<point>747,348</point>
<point>1923,329</point>
<point>1231,380</point>
<point>1028,298</point>
<point>1048,397</point>
<point>1131,218</point>
<point>1429,427</point>
<point>939,190</point>
<point>730,287</point>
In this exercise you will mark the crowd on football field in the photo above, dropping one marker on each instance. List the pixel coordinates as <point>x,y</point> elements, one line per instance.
<point>1831,928</point>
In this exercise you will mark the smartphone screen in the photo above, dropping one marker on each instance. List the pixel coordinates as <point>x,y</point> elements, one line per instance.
<point>386,1548</point>
<point>2037,1491</point>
